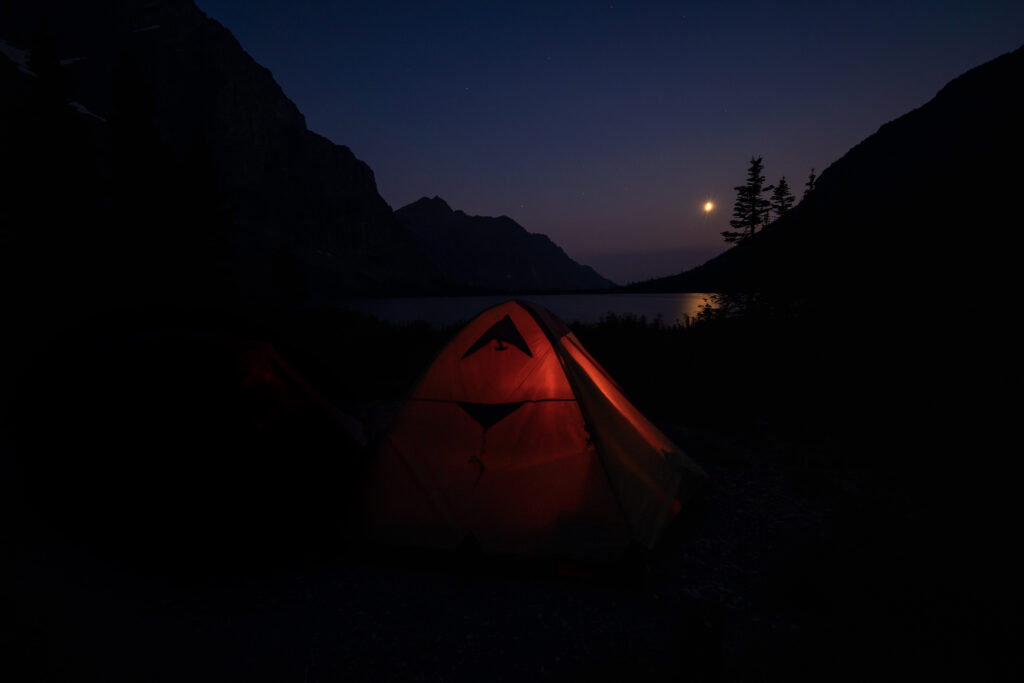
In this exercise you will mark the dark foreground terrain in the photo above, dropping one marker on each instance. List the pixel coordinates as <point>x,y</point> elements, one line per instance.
<point>165,526</point>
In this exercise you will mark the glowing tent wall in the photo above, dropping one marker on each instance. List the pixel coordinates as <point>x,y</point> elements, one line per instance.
<point>517,436</point>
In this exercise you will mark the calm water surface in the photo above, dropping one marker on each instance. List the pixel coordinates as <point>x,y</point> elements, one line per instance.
<point>584,308</point>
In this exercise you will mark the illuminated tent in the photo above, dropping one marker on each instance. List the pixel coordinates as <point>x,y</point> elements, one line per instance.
<point>516,436</point>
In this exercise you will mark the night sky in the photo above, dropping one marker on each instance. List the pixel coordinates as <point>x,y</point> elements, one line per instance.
<point>607,125</point>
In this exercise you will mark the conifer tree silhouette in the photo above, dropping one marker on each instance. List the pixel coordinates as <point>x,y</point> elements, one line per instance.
<point>809,185</point>
<point>782,199</point>
<point>751,208</point>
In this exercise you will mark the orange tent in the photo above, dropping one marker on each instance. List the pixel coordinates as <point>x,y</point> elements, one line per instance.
<point>517,436</point>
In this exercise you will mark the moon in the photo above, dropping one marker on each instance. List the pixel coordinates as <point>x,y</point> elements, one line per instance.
<point>709,206</point>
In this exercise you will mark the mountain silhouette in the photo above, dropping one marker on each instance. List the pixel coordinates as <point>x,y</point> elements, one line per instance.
<point>493,252</point>
<point>303,207</point>
<point>307,219</point>
<point>924,202</point>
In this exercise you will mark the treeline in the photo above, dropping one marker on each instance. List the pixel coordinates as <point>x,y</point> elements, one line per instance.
<point>758,204</point>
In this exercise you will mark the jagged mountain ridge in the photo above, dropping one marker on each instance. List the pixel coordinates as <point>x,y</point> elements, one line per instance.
<point>497,253</point>
<point>920,203</point>
<point>285,186</point>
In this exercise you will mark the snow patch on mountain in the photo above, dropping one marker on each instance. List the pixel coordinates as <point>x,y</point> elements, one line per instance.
<point>16,55</point>
<point>80,108</point>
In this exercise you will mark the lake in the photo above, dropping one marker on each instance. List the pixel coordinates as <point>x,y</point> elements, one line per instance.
<point>584,308</point>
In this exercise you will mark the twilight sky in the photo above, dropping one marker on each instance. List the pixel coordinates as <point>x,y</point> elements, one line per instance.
<point>606,125</point>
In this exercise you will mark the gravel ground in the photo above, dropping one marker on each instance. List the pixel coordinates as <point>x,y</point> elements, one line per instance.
<point>724,597</point>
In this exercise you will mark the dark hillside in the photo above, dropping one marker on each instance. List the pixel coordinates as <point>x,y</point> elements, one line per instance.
<point>493,252</point>
<point>307,213</point>
<point>923,203</point>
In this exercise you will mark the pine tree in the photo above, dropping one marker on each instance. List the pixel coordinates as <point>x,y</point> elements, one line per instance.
<point>809,185</point>
<point>751,208</point>
<point>782,199</point>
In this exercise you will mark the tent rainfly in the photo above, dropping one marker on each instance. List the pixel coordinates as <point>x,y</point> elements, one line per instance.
<point>516,436</point>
